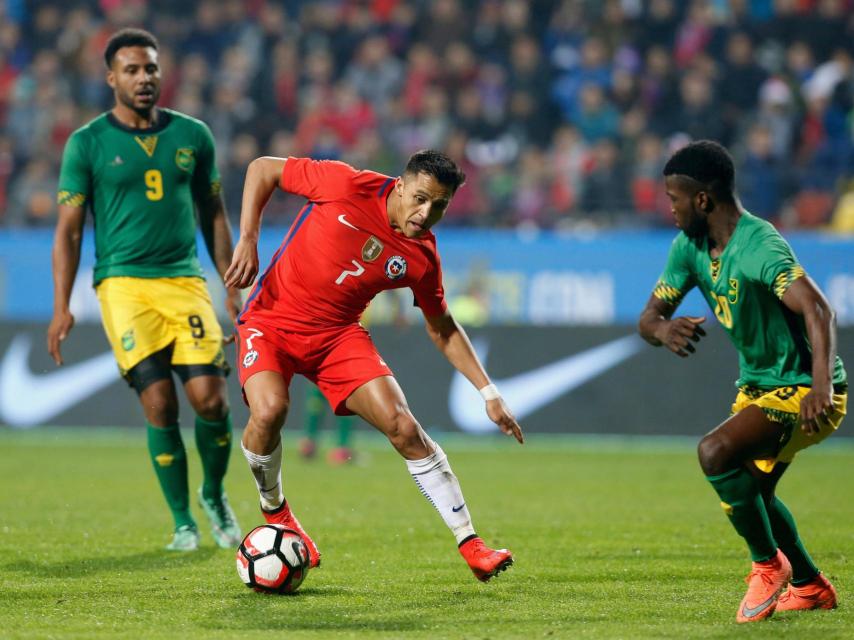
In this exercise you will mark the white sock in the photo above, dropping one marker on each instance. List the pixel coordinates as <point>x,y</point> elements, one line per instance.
<point>267,471</point>
<point>440,486</point>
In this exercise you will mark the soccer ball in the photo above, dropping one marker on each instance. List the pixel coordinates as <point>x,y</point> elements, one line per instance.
<point>272,559</point>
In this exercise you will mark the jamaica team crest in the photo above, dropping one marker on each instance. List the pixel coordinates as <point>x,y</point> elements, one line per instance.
<point>185,159</point>
<point>395,267</point>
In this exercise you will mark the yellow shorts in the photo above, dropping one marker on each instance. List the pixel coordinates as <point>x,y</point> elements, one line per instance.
<point>145,315</point>
<point>783,405</point>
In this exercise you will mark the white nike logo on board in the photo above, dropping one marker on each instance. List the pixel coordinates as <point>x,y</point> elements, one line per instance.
<point>27,399</point>
<point>343,221</point>
<point>527,392</point>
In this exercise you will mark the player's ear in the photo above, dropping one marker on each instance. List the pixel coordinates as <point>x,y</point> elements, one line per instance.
<point>111,78</point>
<point>704,202</point>
<point>398,186</point>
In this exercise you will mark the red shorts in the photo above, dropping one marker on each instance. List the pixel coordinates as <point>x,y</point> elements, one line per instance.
<point>338,360</point>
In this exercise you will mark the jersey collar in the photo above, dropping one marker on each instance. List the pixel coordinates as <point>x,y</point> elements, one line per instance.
<point>164,117</point>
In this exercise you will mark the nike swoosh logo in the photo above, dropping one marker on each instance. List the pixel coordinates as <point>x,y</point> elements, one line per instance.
<point>460,508</point>
<point>343,221</point>
<point>749,612</point>
<point>527,392</point>
<point>27,399</point>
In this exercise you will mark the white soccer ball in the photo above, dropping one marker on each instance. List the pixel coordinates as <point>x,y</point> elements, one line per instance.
<point>272,559</point>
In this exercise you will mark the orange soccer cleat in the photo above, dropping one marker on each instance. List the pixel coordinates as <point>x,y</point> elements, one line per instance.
<point>818,593</point>
<point>284,517</point>
<point>764,583</point>
<point>483,561</point>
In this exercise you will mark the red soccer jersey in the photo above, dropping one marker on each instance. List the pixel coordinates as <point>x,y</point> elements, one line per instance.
<point>340,252</point>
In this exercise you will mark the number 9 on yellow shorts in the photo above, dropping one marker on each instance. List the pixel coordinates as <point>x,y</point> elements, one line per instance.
<point>142,316</point>
<point>783,406</point>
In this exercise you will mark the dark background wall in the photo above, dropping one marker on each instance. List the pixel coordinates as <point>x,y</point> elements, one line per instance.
<point>616,386</point>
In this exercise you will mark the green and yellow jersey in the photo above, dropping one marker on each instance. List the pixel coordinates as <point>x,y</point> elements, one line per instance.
<point>745,286</point>
<point>140,185</point>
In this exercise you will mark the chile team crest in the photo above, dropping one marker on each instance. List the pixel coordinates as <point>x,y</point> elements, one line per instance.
<point>395,267</point>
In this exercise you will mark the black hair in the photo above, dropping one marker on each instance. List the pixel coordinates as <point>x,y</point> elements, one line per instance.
<point>127,38</point>
<point>438,165</point>
<point>708,163</point>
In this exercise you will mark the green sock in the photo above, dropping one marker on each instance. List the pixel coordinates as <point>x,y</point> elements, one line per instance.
<point>314,408</point>
<point>170,464</point>
<point>742,502</point>
<point>213,440</point>
<point>786,533</point>
<point>345,427</point>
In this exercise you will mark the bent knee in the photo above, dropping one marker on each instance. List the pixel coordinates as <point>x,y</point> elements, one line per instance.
<point>269,414</point>
<point>161,409</point>
<point>213,408</point>
<point>403,429</point>
<point>714,455</point>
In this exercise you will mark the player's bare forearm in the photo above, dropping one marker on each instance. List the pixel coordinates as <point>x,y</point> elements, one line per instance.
<point>65,259</point>
<point>805,298</point>
<point>658,328</point>
<point>451,339</point>
<point>66,253</point>
<point>262,178</point>
<point>652,318</point>
<point>216,230</point>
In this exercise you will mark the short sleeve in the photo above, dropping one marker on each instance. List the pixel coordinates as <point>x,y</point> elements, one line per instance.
<point>429,291</point>
<point>677,279</point>
<point>206,178</point>
<point>75,182</point>
<point>318,180</point>
<point>776,265</point>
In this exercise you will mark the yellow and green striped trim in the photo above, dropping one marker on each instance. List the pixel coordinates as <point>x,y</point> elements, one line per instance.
<point>785,279</point>
<point>71,198</point>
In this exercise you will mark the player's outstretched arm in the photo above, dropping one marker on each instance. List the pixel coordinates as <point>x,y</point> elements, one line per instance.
<point>262,178</point>
<point>66,259</point>
<point>657,327</point>
<point>451,339</point>
<point>805,298</point>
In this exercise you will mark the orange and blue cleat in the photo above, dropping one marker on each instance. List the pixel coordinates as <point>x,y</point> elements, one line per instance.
<point>764,583</point>
<point>283,516</point>
<point>483,561</point>
<point>818,593</point>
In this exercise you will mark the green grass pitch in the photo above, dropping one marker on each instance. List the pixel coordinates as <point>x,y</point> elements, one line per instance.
<point>613,538</point>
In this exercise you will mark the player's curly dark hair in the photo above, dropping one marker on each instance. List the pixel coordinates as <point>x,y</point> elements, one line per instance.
<point>127,38</point>
<point>707,162</point>
<point>438,165</point>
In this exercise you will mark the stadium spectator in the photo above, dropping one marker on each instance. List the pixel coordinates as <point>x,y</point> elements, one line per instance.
<point>508,76</point>
<point>763,177</point>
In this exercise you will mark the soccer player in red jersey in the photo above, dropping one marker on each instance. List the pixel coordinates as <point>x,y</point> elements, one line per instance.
<point>359,233</point>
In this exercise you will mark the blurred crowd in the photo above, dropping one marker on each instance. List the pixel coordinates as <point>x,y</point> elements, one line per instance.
<point>561,112</point>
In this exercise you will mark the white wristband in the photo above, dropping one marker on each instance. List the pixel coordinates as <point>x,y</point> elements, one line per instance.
<point>490,392</point>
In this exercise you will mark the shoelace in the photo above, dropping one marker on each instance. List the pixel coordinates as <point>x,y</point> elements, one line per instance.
<point>762,573</point>
<point>222,510</point>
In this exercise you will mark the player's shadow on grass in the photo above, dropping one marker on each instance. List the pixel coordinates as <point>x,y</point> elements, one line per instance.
<point>308,610</point>
<point>145,561</point>
<point>339,608</point>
